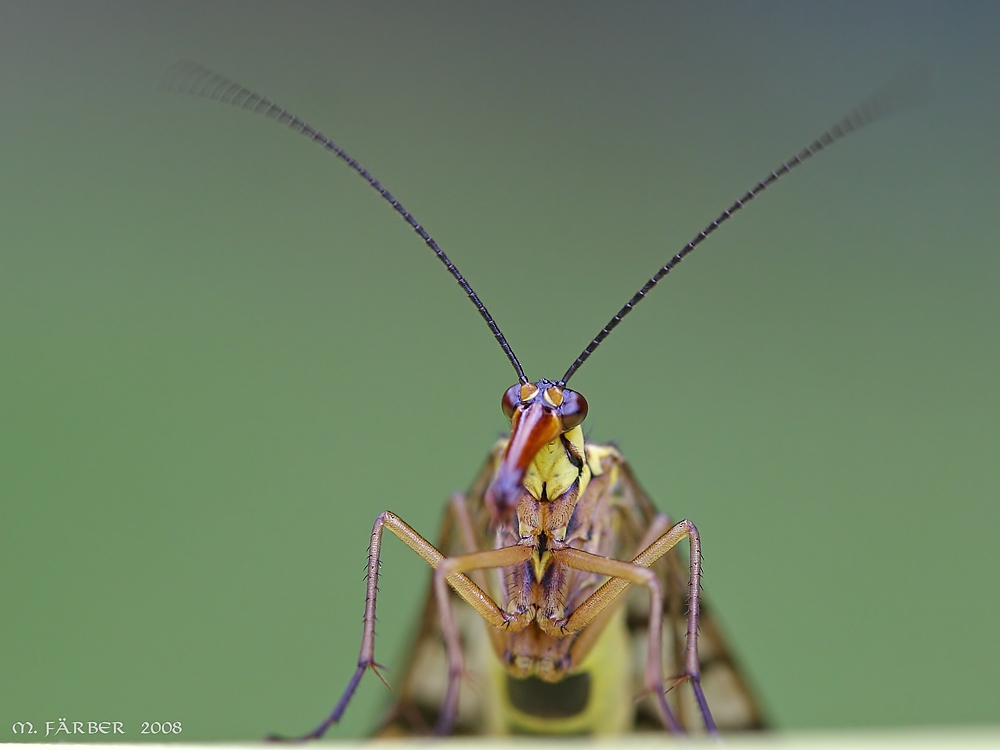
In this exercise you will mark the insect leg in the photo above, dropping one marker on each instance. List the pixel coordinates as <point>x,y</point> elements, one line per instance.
<point>589,636</point>
<point>463,585</point>
<point>595,605</point>
<point>445,573</point>
<point>614,586</point>
<point>692,668</point>
<point>674,583</point>
<point>418,693</point>
<point>472,541</point>
<point>459,507</point>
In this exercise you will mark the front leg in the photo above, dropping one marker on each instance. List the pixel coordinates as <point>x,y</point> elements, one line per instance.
<point>621,575</point>
<point>462,584</point>
<point>594,606</point>
<point>692,664</point>
<point>445,574</point>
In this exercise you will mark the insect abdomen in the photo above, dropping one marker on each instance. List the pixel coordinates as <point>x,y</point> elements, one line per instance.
<point>588,701</point>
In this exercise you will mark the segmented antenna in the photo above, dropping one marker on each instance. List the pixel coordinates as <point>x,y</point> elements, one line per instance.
<point>900,94</point>
<point>191,78</point>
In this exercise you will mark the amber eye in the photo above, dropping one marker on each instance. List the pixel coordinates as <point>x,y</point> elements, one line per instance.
<point>573,410</point>
<point>511,398</point>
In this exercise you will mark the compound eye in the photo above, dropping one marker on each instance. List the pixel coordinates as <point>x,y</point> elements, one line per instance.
<point>573,410</point>
<point>511,398</point>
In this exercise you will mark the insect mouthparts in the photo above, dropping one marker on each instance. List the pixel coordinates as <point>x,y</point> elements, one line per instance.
<point>502,496</point>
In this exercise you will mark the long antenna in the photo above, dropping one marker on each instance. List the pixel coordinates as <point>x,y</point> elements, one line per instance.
<point>902,92</point>
<point>192,78</point>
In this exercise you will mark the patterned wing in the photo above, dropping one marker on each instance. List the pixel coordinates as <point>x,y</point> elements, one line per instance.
<point>729,693</point>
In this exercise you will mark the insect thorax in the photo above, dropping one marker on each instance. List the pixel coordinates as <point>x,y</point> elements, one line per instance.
<point>568,500</point>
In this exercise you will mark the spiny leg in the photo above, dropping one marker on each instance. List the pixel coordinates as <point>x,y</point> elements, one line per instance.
<point>592,633</point>
<point>589,610</point>
<point>457,534</point>
<point>594,606</point>
<point>692,666</point>
<point>660,524</point>
<point>644,511</point>
<point>446,571</point>
<point>464,586</point>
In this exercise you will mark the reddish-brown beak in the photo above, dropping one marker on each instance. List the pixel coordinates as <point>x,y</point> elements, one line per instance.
<point>531,429</point>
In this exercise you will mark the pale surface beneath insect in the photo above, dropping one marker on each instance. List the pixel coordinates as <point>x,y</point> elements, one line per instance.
<point>960,738</point>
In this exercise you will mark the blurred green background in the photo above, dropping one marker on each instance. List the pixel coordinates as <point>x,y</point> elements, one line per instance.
<point>222,355</point>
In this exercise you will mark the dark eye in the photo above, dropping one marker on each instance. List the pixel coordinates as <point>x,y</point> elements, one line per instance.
<point>573,409</point>
<point>511,398</point>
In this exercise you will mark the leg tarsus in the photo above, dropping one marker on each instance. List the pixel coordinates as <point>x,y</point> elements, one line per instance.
<point>699,696</point>
<point>706,714</point>
<point>666,715</point>
<point>338,710</point>
<point>449,711</point>
<point>457,580</point>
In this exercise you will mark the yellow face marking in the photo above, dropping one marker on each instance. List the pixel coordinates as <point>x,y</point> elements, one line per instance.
<point>528,391</point>
<point>553,469</point>
<point>554,396</point>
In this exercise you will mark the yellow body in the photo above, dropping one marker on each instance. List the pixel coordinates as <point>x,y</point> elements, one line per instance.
<point>609,710</point>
